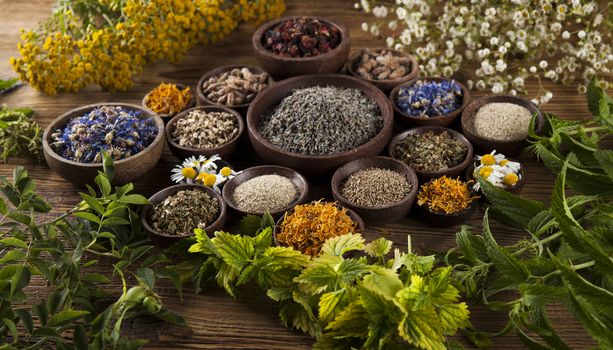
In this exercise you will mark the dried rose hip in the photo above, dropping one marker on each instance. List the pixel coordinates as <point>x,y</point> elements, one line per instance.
<point>302,37</point>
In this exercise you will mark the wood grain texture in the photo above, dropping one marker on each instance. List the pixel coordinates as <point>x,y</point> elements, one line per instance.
<point>216,320</point>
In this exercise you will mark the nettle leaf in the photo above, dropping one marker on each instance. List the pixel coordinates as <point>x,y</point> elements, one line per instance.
<point>509,266</point>
<point>383,281</point>
<point>598,326</point>
<point>331,303</point>
<point>605,159</point>
<point>337,246</point>
<point>594,95</point>
<point>379,247</point>
<point>423,329</point>
<point>472,246</point>
<point>453,317</point>
<point>539,294</point>
<point>585,153</point>
<point>236,251</point>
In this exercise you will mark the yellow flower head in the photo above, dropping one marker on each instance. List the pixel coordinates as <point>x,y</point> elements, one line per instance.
<point>209,180</point>
<point>486,171</point>
<point>503,162</point>
<point>225,171</point>
<point>488,159</point>
<point>188,173</point>
<point>510,179</point>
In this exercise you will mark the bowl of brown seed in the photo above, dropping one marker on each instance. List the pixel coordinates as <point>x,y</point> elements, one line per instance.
<point>379,189</point>
<point>233,86</point>
<point>176,211</point>
<point>501,123</point>
<point>432,151</point>
<point>384,68</point>
<point>205,130</point>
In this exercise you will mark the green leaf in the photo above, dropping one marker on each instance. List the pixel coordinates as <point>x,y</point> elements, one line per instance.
<point>605,159</point>
<point>12,255</point>
<point>594,95</point>
<point>531,343</point>
<point>13,242</point>
<point>585,153</point>
<point>80,339</point>
<point>134,199</point>
<point>115,221</point>
<point>171,317</point>
<point>331,303</point>
<point>19,217</point>
<point>3,208</point>
<point>339,245</point>
<point>20,279</point>
<point>88,216</point>
<point>12,328</point>
<point>235,250</point>
<point>95,278</point>
<point>383,281</point>
<point>146,275</point>
<point>471,246</point>
<point>107,166</point>
<point>379,247</point>
<point>422,329</point>
<point>139,251</point>
<point>64,317</point>
<point>8,83</point>
<point>26,319</point>
<point>103,184</point>
<point>92,203</point>
<point>453,317</point>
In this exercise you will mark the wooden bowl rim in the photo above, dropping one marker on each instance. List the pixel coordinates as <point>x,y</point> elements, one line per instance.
<point>190,104</point>
<point>410,76</point>
<point>465,98</point>
<point>256,39</point>
<point>422,129</point>
<point>274,169</point>
<point>220,70</point>
<point>384,106</point>
<point>171,190</point>
<point>338,180</point>
<point>210,108</point>
<point>79,111</point>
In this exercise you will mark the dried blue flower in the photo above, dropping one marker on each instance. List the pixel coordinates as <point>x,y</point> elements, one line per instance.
<point>117,130</point>
<point>426,99</point>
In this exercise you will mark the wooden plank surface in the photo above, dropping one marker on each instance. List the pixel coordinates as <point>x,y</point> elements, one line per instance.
<point>216,320</point>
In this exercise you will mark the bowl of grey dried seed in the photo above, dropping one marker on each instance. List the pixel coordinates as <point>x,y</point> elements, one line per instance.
<point>205,130</point>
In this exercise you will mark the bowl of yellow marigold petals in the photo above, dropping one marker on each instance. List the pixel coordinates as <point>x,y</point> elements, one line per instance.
<point>498,170</point>
<point>445,201</point>
<point>168,100</point>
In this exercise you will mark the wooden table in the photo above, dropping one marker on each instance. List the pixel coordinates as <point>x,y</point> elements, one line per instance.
<point>216,320</point>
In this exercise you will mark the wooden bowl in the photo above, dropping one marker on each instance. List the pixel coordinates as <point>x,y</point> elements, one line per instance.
<point>515,189</point>
<point>298,180</point>
<point>126,170</point>
<point>447,220</point>
<point>443,120</point>
<point>281,67</point>
<point>388,84</point>
<point>165,240</point>
<point>384,214</point>
<point>225,151</point>
<point>426,175</point>
<point>166,117</point>
<point>311,164</point>
<point>201,98</point>
<point>485,144</point>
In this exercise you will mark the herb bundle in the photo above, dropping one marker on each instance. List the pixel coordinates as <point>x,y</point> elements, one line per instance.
<point>19,134</point>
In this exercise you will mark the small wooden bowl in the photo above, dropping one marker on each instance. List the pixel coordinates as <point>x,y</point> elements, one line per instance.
<point>281,67</point>
<point>297,179</point>
<point>166,117</point>
<point>485,144</point>
<point>447,220</point>
<point>515,189</point>
<point>443,120</point>
<point>426,175</point>
<point>310,164</point>
<point>385,214</point>
<point>165,240</point>
<point>388,84</point>
<point>126,170</point>
<point>201,98</point>
<point>225,151</point>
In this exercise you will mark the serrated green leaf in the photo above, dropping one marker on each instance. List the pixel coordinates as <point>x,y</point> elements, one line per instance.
<point>594,95</point>
<point>339,245</point>
<point>236,251</point>
<point>331,303</point>
<point>422,329</point>
<point>379,247</point>
<point>605,159</point>
<point>383,281</point>
<point>508,265</point>
<point>453,317</point>
<point>279,293</point>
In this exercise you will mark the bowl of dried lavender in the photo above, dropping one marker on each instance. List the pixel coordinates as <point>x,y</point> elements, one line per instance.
<point>316,123</point>
<point>205,130</point>
<point>432,151</point>
<point>379,189</point>
<point>174,212</point>
<point>131,135</point>
<point>233,86</point>
<point>429,101</point>
<point>384,68</point>
<point>298,45</point>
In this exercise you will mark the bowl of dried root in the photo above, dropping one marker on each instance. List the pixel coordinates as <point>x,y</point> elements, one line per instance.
<point>385,68</point>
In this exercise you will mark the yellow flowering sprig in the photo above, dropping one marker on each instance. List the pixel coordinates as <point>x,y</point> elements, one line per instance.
<point>108,42</point>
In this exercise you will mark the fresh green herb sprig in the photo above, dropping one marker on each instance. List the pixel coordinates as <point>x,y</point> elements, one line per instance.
<point>8,84</point>
<point>20,136</point>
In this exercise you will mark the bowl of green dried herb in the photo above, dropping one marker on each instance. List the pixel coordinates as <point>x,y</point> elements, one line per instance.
<point>174,212</point>
<point>432,151</point>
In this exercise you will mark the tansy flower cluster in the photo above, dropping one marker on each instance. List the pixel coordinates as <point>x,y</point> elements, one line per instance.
<point>506,42</point>
<point>202,170</point>
<point>107,42</point>
<point>497,170</point>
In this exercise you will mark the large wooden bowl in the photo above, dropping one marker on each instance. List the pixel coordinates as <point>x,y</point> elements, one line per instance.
<point>281,67</point>
<point>312,164</point>
<point>385,85</point>
<point>126,170</point>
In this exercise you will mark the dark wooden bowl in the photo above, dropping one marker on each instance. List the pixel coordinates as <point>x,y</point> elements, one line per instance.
<point>225,151</point>
<point>126,170</point>
<point>388,84</point>
<point>166,117</point>
<point>281,67</point>
<point>371,215</point>
<point>486,145</point>
<point>515,189</point>
<point>165,240</point>
<point>447,220</point>
<point>297,179</point>
<point>202,100</point>
<point>443,120</point>
<point>426,175</point>
<point>310,164</point>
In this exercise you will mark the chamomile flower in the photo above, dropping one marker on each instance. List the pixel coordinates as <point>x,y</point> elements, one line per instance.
<point>497,170</point>
<point>182,173</point>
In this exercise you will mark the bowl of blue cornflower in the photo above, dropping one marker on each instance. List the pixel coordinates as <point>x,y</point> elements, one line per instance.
<point>75,143</point>
<point>429,101</point>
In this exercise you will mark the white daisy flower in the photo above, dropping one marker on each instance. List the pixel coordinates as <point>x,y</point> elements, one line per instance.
<point>182,173</point>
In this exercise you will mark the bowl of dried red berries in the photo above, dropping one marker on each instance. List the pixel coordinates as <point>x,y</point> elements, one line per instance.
<point>298,45</point>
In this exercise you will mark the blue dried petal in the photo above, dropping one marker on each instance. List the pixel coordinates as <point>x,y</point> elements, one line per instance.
<point>430,98</point>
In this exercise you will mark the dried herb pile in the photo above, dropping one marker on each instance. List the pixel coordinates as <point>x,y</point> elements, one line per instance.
<point>20,136</point>
<point>265,193</point>
<point>431,151</point>
<point>302,37</point>
<point>201,129</point>
<point>184,211</point>
<point>445,195</point>
<point>375,187</point>
<point>168,99</point>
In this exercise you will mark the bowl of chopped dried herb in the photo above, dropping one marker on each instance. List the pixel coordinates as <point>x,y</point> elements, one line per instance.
<point>432,151</point>
<point>446,201</point>
<point>168,100</point>
<point>266,188</point>
<point>307,226</point>
<point>316,123</point>
<point>298,45</point>
<point>384,68</point>
<point>174,212</point>
<point>429,101</point>
<point>132,136</point>
<point>205,130</point>
<point>379,189</point>
<point>501,123</point>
